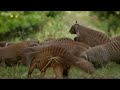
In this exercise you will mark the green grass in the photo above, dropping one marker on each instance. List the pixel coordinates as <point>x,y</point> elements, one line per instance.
<point>111,71</point>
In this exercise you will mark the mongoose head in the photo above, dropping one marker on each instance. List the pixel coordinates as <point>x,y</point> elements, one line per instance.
<point>73,29</point>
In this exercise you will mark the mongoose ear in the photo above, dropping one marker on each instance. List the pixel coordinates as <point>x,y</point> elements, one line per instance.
<point>76,25</point>
<point>76,21</point>
<point>84,55</point>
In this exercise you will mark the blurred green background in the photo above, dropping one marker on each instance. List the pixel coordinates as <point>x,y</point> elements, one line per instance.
<point>40,25</point>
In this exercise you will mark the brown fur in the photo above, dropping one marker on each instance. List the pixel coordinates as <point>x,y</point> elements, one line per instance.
<point>60,60</point>
<point>89,36</point>
<point>12,54</point>
<point>5,43</point>
<point>103,54</point>
<point>56,40</point>
<point>64,40</point>
<point>74,47</point>
<point>116,38</point>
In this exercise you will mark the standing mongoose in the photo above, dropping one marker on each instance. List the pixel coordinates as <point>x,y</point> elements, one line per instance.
<point>58,58</point>
<point>72,46</point>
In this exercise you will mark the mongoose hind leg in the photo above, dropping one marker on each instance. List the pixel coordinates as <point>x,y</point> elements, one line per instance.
<point>58,70</point>
<point>66,72</point>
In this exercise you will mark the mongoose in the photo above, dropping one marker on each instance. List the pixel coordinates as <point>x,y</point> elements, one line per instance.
<point>88,36</point>
<point>58,58</point>
<point>74,47</point>
<point>12,54</point>
<point>103,54</point>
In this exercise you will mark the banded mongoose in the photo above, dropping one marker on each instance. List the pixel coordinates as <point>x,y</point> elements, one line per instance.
<point>58,58</point>
<point>103,54</point>
<point>74,47</point>
<point>89,36</point>
<point>64,42</point>
<point>12,54</point>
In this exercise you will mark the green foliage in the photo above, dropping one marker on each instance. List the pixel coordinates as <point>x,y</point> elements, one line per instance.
<point>54,13</point>
<point>55,28</point>
<point>109,20</point>
<point>20,24</point>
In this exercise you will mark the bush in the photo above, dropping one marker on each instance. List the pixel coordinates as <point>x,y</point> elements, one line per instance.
<point>21,24</point>
<point>109,21</point>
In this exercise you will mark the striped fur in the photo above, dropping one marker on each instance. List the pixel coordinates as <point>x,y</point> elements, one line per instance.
<point>64,59</point>
<point>89,36</point>
<point>103,54</point>
<point>116,38</point>
<point>64,40</point>
<point>56,40</point>
<point>14,53</point>
<point>74,47</point>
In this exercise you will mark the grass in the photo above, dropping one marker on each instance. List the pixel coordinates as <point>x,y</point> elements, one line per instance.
<point>111,71</point>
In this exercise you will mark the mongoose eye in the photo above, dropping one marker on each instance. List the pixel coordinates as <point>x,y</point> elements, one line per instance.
<point>76,38</point>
